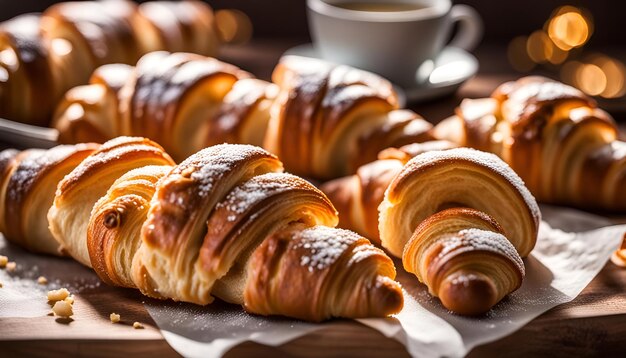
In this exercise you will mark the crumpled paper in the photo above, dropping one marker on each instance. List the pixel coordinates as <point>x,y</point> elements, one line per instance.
<point>572,248</point>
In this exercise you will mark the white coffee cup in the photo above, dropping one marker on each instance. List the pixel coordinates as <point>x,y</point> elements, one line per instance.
<point>399,45</point>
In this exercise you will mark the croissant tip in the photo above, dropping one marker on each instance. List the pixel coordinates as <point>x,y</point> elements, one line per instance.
<point>468,294</point>
<point>387,296</point>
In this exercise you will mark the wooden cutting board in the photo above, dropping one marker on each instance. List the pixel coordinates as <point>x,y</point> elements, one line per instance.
<point>593,324</point>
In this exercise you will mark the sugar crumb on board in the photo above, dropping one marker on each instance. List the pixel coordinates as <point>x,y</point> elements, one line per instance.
<point>58,295</point>
<point>115,318</point>
<point>62,309</point>
<point>11,266</point>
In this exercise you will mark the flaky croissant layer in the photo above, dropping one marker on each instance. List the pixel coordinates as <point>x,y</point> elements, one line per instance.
<point>44,55</point>
<point>224,223</point>
<point>461,220</point>
<point>565,148</point>
<point>321,119</point>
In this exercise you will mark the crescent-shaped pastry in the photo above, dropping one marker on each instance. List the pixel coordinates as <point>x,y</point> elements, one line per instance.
<point>462,221</point>
<point>565,148</point>
<point>44,55</point>
<point>225,223</point>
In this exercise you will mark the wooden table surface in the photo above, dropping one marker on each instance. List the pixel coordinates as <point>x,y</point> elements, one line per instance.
<point>593,324</point>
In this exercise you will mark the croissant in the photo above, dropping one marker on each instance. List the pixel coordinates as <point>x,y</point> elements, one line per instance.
<point>462,221</point>
<point>183,101</point>
<point>330,119</point>
<point>324,120</point>
<point>619,256</point>
<point>28,85</point>
<point>358,196</point>
<point>45,55</point>
<point>562,145</point>
<point>27,186</point>
<point>224,223</point>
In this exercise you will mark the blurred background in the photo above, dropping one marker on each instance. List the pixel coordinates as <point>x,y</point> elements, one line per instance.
<point>503,19</point>
<point>578,42</point>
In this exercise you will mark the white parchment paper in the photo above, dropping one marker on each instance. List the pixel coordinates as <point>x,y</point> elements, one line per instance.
<point>571,250</point>
<point>22,296</point>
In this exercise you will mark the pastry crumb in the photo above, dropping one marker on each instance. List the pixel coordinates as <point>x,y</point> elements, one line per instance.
<point>42,280</point>
<point>62,309</point>
<point>3,261</point>
<point>58,295</point>
<point>11,266</point>
<point>137,325</point>
<point>115,318</point>
<point>69,299</point>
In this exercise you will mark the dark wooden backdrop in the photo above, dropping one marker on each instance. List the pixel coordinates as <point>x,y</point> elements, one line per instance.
<point>504,19</point>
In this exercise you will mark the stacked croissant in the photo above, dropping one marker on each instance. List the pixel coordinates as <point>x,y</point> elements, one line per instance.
<point>42,56</point>
<point>226,223</point>
<point>460,219</point>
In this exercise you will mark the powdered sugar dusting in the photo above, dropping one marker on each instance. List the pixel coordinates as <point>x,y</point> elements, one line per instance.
<point>539,91</point>
<point>209,165</point>
<point>482,240</point>
<point>33,163</point>
<point>253,191</point>
<point>363,252</point>
<point>487,160</point>
<point>323,246</point>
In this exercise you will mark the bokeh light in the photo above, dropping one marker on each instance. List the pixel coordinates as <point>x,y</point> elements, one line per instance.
<point>569,28</point>
<point>615,73</point>
<point>590,79</point>
<point>233,26</point>
<point>518,56</point>
<point>598,75</point>
<point>539,46</point>
<point>559,46</point>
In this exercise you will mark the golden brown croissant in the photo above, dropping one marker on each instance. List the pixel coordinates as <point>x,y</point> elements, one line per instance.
<point>45,55</point>
<point>79,190</point>
<point>564,147</point>
<point>324,120</point>
<point>619,256</point>
<point>27,189</point>
<point>224,223</point>
<point>28,83</point>
<point>358,196</point>
<point>330,119</point>
<point>461,220</point>
<point>183,101</point>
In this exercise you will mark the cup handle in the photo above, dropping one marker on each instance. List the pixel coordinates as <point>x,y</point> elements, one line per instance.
<point>471,27</point>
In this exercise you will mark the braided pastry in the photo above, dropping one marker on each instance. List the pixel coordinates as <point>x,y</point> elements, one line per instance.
<point>324,120</point>
<point>224,223</point>
<point>564,147</point>
<point>461,220</point>
<point>42,56</point>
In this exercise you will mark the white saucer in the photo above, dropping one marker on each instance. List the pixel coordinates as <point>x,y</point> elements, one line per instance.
<point>442,77</point>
